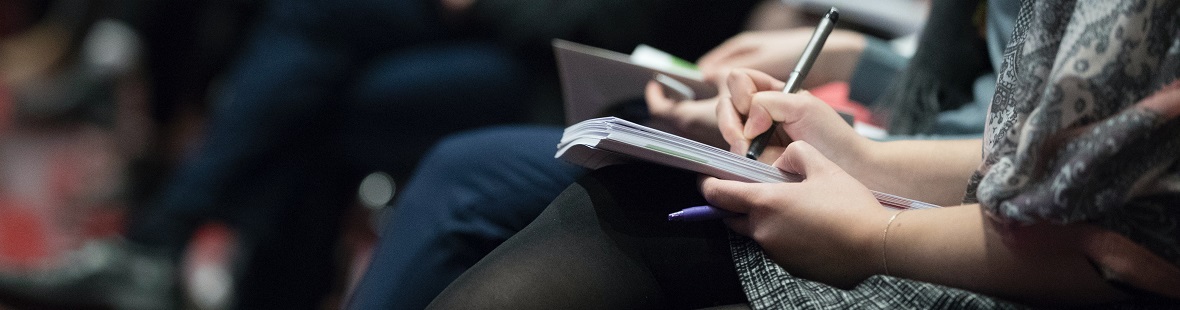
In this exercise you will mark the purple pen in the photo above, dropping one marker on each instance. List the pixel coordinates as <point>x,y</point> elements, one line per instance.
<point>700,213</point>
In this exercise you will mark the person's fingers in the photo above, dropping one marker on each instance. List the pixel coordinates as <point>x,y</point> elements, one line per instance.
<point>734,196</point>
<point>717,58</point>
<point>758,119</point>
<point>741,90</point>
<point>718,72</point>
<point>802,158</point>
<point>718,76</point>
<point>740,225</point>
<point>729,123</point>
<point>657,103</point>
<point>744,83</point>
<point>771,107</point>
<point>717,55</point>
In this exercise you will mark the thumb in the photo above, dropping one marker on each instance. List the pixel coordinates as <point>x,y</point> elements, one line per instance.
<point>657,102</point>
<point>801,158</point>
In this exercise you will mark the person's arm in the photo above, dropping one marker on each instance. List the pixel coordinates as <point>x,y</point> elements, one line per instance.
<point>830,228</point>
<point>775,52</point>
<point>772,51</point>
<point>934,171</point>
<point>930,171</point>
<point>842,59</point>
<point>962,247</point>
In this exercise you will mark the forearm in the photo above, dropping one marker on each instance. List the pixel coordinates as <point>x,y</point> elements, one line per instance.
<point>934,171</point>
<point>958,247</point>
<point>838,60</point>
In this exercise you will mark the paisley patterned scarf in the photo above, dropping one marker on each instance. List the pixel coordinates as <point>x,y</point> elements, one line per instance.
<point>1083,128</point>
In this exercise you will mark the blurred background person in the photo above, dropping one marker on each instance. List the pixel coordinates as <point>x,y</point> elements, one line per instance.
<point>319,94</point>
<point>90,91</point>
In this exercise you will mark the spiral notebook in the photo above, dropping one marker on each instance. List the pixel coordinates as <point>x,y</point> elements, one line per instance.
<point>600,142</point>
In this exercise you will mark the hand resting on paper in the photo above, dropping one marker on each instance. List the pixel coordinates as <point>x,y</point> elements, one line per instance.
<point>829,228</point>
<point>826,228</point>
<point>933,171</point>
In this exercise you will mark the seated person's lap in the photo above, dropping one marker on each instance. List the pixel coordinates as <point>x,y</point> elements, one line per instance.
<point>605,242</point>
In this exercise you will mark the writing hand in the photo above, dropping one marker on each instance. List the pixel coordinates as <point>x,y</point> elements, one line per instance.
<point>756,101</point>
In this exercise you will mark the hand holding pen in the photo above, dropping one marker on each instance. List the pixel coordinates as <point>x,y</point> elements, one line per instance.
<point>795,79</point>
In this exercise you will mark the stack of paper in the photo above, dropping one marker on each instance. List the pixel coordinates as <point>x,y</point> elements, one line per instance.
<point>600,142</point>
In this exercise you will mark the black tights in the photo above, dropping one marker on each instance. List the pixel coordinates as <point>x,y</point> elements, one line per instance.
<point>605,243</point>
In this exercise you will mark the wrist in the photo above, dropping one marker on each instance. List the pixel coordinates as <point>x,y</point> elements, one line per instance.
<point>858,159</point>
<point>872,242</point>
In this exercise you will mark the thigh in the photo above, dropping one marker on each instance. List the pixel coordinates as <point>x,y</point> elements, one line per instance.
<point>605,242</point>
<point>475,190</point>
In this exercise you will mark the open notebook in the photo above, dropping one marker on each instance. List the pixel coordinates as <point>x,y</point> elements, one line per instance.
<point>605,141</point>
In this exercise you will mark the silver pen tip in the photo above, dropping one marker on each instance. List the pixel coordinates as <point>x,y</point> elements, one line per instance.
<point>834,14</point>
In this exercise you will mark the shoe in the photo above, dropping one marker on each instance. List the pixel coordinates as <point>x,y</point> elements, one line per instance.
<point>107,273</point>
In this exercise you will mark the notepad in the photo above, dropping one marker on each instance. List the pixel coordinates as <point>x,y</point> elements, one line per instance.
<point>600,142</point>
<point>593,79</point>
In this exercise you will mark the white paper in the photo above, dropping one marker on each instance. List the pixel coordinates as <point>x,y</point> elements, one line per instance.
<point>605,141</point>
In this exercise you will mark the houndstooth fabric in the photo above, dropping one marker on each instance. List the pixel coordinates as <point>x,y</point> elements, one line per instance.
<point>768,286</point>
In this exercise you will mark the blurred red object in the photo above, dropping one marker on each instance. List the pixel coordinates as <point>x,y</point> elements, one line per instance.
<point>836,95</point>
<point>58,188</point>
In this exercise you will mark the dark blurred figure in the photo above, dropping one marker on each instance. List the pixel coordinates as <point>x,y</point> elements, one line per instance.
<point>326,91</point>
<point>187,45</point>
<point>109,76</point>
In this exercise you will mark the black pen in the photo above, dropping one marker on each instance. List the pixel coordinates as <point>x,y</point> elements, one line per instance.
<point>795,80</point>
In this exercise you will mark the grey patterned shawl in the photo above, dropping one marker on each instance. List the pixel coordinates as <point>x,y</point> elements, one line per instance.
<point>1065,141</point>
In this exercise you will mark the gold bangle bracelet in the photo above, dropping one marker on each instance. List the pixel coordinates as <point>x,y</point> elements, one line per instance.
<point>885,242</point>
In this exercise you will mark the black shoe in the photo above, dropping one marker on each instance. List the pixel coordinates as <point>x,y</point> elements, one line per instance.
<point>109,273</point>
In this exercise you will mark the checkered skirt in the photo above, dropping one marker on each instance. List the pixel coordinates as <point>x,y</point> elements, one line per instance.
<point>768,286</point>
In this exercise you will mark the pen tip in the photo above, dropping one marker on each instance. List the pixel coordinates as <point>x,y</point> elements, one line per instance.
<point>834,14</point>
<point>675,216</point>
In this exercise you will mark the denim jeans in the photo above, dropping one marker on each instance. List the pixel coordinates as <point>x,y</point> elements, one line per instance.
<point>471,193</point>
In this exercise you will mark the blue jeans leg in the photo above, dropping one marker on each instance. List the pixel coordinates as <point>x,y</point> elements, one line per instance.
<point>404,102</point>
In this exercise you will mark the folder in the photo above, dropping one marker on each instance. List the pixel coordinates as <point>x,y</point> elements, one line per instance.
<point>593,79</point>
